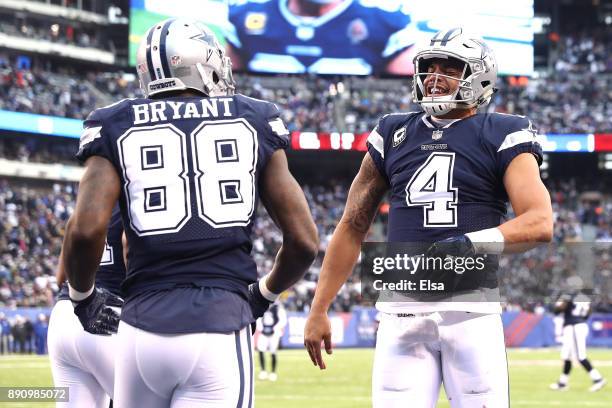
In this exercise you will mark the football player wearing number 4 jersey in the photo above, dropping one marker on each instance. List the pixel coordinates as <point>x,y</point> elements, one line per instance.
<point>188,165</point>
<point>450,172</point>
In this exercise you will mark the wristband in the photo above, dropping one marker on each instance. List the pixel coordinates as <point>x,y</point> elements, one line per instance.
<point>265,292</point>
<point>487,241</point>
<point>77,296</point>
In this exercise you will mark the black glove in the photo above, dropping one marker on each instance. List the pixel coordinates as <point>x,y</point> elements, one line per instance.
<point>459,246</point>
<point>258,303</point>
<point>95,313</point>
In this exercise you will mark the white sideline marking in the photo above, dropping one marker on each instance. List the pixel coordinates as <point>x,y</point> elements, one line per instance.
<point>553,363</point>
<point>554,403</point>
<point>24,365</point>
<point>313,397</point>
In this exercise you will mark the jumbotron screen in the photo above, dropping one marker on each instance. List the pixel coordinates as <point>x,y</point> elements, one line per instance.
<point>354,37</point>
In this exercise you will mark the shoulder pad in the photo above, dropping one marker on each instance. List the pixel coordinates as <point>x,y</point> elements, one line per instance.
<point>269,109</point>
<point>250,100</point>
<point>511,130</point>
<point>108,111</point>
<point>393,119</point>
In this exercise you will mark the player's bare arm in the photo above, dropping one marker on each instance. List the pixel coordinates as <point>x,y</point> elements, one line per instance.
<point>125,246</point>
<point>531,203</point>
<point>286,204</point>
<point>60,274</point>
<point>86,228</point>
<point>560,306</point>
<point>363,200</point>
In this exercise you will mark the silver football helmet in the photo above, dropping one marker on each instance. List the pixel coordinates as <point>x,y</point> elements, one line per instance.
<point>178,54</point>
<point>476,85</point>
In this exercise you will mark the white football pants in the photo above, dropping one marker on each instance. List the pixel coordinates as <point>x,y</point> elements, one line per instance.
<point>463,351</point>
<point>268,343</point>
<point>204,370</point>
<point>81,361</point>
<point>574,341</point>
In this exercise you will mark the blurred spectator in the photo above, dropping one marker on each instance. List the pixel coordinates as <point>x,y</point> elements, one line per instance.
<point>5,334</point>
<point>40,334</point>
<point>20,335</point>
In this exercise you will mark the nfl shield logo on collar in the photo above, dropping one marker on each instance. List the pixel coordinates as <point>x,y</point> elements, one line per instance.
<point>436,135</point>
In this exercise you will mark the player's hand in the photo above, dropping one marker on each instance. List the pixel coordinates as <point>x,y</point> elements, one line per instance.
<point>459,246</point>
<point>317,330</point>
<point>95,313</point>
<point>258,303</point>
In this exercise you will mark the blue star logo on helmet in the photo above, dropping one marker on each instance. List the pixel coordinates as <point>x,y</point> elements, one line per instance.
<point>206,38</point>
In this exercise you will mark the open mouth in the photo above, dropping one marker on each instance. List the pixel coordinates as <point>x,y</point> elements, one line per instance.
<point>436,90</point>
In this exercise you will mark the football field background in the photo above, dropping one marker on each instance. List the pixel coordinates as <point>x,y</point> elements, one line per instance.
<point>346,382</point>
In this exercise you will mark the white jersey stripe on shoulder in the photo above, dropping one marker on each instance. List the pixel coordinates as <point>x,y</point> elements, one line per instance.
<point>377,142</point>
<point>516,138</point>
<point>89,135</point>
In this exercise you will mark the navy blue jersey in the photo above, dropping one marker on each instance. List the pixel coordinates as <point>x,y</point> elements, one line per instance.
<point>111,271</point>
<point>577,310</point>
<point>356,37</point>
<point>189,168</point>
<point>448,181</point>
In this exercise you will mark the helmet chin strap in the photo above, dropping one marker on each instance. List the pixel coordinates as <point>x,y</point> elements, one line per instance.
<point>212,89</point>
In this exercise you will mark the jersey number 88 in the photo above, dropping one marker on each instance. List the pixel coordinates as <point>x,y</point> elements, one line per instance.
<point>159,170</point>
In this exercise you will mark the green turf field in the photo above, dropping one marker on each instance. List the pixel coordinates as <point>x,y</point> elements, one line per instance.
<point>346,383</point>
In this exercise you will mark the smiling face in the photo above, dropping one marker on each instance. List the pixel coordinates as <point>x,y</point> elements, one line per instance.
<point>438,85</point>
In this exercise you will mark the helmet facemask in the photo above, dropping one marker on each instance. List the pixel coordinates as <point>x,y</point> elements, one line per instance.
<point>476,83</point>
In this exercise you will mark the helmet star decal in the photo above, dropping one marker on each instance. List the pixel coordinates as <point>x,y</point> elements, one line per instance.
<point>206,38</point>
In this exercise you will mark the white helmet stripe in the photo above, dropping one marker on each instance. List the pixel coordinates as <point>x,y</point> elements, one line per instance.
<point>149,60</point>
<point>162,49</point>
<point>155,55</point>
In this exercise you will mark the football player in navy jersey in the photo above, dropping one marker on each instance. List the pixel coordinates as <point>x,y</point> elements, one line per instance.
<point>575,309</point>
<point>188,164</point>
<point>355,37</point>
<point>83,361</point>
<point>449,172</point>
<point>270,327</point>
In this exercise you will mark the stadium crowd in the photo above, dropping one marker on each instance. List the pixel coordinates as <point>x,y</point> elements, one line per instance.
<point>571,97</point>
<point>44,30</point>
<point>32,222</point>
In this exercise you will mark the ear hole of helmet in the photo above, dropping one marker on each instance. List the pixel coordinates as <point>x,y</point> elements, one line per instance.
<point>215,77</point>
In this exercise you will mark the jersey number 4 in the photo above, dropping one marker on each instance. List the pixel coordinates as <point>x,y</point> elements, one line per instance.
<point>431,187</point>
<point>159,171</point>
